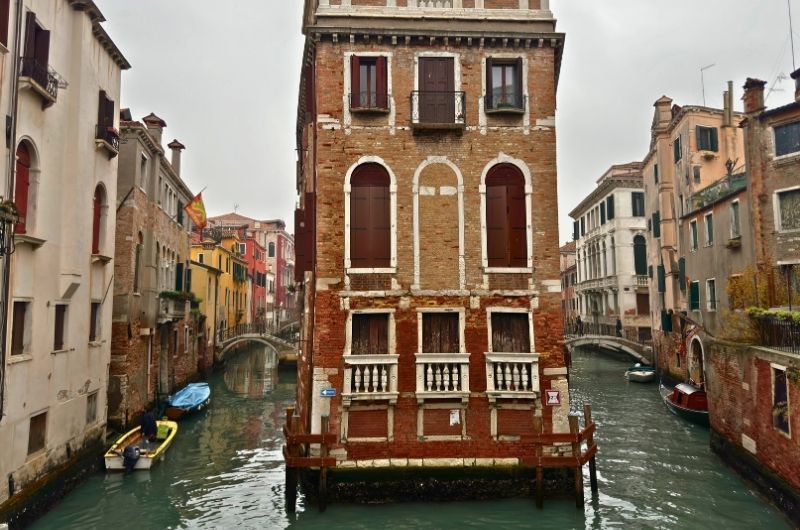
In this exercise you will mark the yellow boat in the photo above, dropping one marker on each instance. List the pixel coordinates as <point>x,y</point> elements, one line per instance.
<point>140,453</point>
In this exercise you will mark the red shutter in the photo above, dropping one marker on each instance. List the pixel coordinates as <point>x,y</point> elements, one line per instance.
<point>30,34</point>
<point>360,234</point>
<point>21,186</point>
<point>489,84</point>
<point>518,227</point>
<point>42,47</point>
<point>440,333</point>
<point>381,226</point>
<point>5,9</point>
<point>382,92</point>
<point>355,82</point>
<point>506,217</point>
<point>370,222</point>
<point>97,212</point>
<point>496,226</point>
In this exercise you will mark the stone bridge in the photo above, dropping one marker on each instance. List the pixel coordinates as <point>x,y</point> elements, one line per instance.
<point>283,340</point>
<point>639,351</point>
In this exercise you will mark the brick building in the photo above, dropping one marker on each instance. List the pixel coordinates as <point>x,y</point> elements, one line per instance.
<point>569,277</point>
<point>154,350</point>
<point>427,230</point>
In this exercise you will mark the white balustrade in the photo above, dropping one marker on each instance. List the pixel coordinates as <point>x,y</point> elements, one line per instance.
<point>370,377</point>
<point>442,375</point>
<point>513,375</point>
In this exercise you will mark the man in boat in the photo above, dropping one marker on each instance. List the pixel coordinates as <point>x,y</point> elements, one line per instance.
<point>149,427</point>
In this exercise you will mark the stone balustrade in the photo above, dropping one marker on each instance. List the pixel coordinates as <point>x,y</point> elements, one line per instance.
<point>512,375</point>
<point>443,375</point>
<point>370,377</point>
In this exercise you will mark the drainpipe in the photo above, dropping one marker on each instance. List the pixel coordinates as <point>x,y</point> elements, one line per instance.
<point>9,190</point>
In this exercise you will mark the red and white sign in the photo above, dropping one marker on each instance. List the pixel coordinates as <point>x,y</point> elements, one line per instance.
<point>553,397</point>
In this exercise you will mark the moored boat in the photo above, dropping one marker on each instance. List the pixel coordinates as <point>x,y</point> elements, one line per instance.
<point>640,373</point>
<point>688,402</point>
<point>132,452</point>
<point>192,398</point>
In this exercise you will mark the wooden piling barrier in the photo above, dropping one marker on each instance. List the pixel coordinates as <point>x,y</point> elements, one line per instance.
<point>576,454</point>
<point>537,429</point>
<point>323,470</point>
<point>297,438</point>
<point>291,472</point>
<point>587,418</point>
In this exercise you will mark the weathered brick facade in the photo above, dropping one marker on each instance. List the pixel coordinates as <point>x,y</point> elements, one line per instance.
<point>438,230</point>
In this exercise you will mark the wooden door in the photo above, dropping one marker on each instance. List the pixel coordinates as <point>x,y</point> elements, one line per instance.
<point>436,90</point>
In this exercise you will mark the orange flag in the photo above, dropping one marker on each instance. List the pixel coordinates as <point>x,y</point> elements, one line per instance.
<point>196,211</point>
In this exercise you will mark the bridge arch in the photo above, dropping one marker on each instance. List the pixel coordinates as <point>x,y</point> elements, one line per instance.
<point>259,339</point>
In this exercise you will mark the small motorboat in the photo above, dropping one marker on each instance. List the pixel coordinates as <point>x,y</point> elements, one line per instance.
<point>688,402</point>
<point>132,452</point>
<point>191,398</point>
<point>640,373</point>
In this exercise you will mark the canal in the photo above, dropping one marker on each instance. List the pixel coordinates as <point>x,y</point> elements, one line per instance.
<point>225,470</point>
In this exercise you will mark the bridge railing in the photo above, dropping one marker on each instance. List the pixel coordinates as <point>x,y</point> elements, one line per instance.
<point>574,330</point>
<point>258,327</point>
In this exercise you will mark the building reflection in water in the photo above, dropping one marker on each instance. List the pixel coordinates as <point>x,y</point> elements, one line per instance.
<point>254,375</point>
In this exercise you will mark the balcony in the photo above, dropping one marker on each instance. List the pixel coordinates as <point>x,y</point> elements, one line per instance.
<point>40,79</point>
<point>107,138</point>
<point>512,375</point>
<point>642,280</point>
<point>370,377</point>
<point>172,309</point>
<point>438,110</point>
<point>442,376</point>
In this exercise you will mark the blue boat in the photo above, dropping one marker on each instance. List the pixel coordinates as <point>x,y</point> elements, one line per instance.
<point>191,398</point>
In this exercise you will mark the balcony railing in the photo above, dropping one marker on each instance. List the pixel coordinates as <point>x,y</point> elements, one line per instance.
<point>370,377</point>
<point>438,110</point>
<point>779,334</point>
<point>108,136</point>
<point>512,375</point>
<point>45,82</point>
<point>442,375</point>
<point>642,281</point>
<point>173,309</point>
<point>369,102</point>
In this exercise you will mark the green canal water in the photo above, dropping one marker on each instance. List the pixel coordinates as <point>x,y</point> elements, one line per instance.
<point>225,471</point>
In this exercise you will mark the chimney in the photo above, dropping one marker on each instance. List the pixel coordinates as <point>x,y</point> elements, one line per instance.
<point>663,107</point>
<point>155,126</point>
<point>796,76</point>
<point>753,95</point>
<point>727,106</point>
<point>176,148</point>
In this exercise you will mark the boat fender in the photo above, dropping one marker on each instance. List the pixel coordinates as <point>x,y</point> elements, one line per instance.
<point>129,457</point>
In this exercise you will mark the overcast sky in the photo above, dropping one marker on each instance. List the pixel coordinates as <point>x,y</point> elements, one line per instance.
<point>225,81</point>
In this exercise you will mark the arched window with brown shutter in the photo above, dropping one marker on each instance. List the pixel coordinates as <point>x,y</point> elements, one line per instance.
<point>97,216</point>
<point>370,222</point>
<point>506,217</point>
<point>22,185</point>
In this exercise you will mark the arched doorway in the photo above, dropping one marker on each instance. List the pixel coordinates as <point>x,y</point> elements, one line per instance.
<point>696,367</point>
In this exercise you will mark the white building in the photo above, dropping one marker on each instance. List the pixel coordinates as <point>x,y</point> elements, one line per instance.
<point>610,230</point>
<point>63,179</point>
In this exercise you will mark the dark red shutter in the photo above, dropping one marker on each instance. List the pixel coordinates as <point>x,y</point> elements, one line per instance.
<point>496,226</point>
<point>96,214</point>
<point>22,184</point>
<point>440,333</point>
<point>489,84</point>
<point>370,223</point>
<point>381,82</point>
<point>381,226</point>
<point>18,328</point>
<point>5,10</point>
<point>101,108</point>
<point>506,217</point>
<point>355,82</point>
<point>42,47</point>
<point>30,34</point>
<point>518,226</point>
<point>360,233</point>
<point>510,333</point>
<point>518,83</point>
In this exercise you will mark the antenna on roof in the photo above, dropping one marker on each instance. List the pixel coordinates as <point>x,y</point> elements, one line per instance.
<point>235,208</point>
<point>791,33</point>
<point>703,80</point>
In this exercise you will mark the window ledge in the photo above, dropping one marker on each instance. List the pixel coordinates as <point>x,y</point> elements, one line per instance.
<point>110,149</point>
<point>788,158</point>
<point>23,358</point>
<point>508,270</point>
<point>372,270</point>
<point>95,343</point>
<point>438,126</point>
<point>507,110</point>
<point>29,83</point>
<point>26,239</point>
<point>789,231</point>
<point>65,350</point>
<point>101,258</point>
<point>369,110</point>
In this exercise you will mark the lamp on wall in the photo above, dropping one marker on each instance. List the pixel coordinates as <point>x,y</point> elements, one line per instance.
<point>9,217</point>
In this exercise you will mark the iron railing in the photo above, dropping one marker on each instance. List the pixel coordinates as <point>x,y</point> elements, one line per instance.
<point>108,134</point>
<point>258,327</point>
<point>40,74</point>
<point>575,329</point>
<point>438,108</point>
<point>779,334</point>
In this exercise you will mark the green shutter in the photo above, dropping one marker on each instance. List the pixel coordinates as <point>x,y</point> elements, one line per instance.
<point>576,231</point>
<point>666,321</point>
<point>662,279</point>
<point>682,273</point>
<point>694,296</point>
<point>714,140</point>
<point>602,213</point>
<point>676,148</point>
<point>657,224</point>
<point>610,207</point>
<point>650,271</point>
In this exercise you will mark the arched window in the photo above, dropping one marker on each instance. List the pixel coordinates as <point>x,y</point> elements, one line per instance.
<point>271,250</point>
<point>22,185</point>
<point>98,214</point>
<point>640,255</point>
<point>370,219</point>
<point>506,223</point>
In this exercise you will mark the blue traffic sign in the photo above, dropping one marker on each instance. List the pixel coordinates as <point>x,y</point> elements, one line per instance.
<point>328,392</point>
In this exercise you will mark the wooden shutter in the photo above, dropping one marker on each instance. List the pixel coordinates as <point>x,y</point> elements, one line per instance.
<point>682,273</point>
<point>640,255</point>
<point>657,224</point>
<point>642,303</point>
<point>94,309</point>
<point>576,230</point>
<point>179,279</point>
<point>518,226</point>
<point>676,148</point>
<point>489,85</point>
<point>662,279</point>
<point>42,47</point>
<point>5,11</point>
<point>510,333</point>
<point>666,321</point>
<point>21,186</point>
<point>30,35</point>
<point>370,334</point>
<point>714,139</point>
<point>602,213</point>
<point>518,84</point>
<point>360,234</point>
<point>58,339</point>
<point>370,218</point>
<point>18,328</point>
<point>381,83</point>
<point>496,226</point>
<point>381,244</point>
<point>188,284</point>
<point>440,333</point>
<point>97,212</point>
<point>694,296</point>
<point>300,235</point>
<point>610,207</point>
<point>101,108</point>
<point>355,82</point>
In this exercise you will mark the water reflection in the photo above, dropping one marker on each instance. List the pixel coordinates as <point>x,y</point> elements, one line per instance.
<point>254,374</point>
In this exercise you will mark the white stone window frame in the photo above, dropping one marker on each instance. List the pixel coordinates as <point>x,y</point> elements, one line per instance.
<point>709,241</point>
<point>772,143</point>
<point>392,269</point>
<point>34,178</point>
<point>502,158</point>
<point>483,117</point>
<point>27,335</point>
<point>776,209</point>
<point>709,299</point>
<point>780,367</point>
<point>462,349</point>
<point>457,84</point>
<point>739,219</point>
<point>512,310</point>
<point>432,160</point>
<point>347,115</point>
<point>693,236</point>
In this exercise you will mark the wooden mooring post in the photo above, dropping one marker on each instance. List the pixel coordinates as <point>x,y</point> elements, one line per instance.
<point>538,430</point>
<point>576,454</point>
<point>291,429</point>
<point>296,458</point>
<point>587,418</point>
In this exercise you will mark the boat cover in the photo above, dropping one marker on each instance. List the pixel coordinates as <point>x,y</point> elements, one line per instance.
<point>685,388</point>
<point>191,396</point>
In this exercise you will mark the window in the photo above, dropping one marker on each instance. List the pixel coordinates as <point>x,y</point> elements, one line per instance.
<point>137,265</point>
<point>780,400</point>
<point>506,218</point>
<point>370,218</point>
<point>707,138</point>
<point>696,174</point>
<point>642,304</point>
<point>370,334</point>
<point>60,326</point>
<point>787,139</point>
<point>368,78</point>
<point>711,295</point>
<point>21,189</point>
<point>610,207</point>
<point>504,84</point>
<point>694,296</point>
<point>20,331</point>
<point>271,250</point>
<point>37,433</point>
<point>693,235</point>
<point>677,151</point>
<point>242,249</point>
<point>657,224</point>
<point>440,333</point>
<point>36,56</point>
<point>709,224</point>
<point>576,230</point>
<point>640,255</point>
<point>789,209</point>
<point>94,322</point>
<point>105,118</point>
<point>603,213</point>
<point>91,408</point>
<point>661,278</point>
<point>655,173</point>
<point>583,226</point>
<point>201,257</point>
<point>736,230</point>
<point>511,333</point>
<point>637,198</point>
<point>5,10</point>
<point>97,219</point>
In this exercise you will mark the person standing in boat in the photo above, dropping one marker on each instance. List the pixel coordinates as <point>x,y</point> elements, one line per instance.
<point>149,426</point>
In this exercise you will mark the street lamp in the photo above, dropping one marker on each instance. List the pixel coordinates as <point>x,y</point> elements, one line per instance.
<point>9,217</point>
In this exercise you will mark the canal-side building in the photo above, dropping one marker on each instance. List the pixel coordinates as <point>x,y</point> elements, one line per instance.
<point>611,255</point>
<point>427,184</point>
<point>255,255</point>
<point>154,347</point>
<point>64,72</point>
<point>569,278</point>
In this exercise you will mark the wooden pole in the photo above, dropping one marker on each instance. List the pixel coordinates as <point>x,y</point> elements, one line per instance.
<point>537,429</point>
<point>587,416</point>
<point>576,453</point>
<point>291,472</point>
<point>323,471</point>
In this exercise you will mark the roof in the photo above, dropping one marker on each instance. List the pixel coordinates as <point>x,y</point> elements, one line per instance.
<point>91,9</point>
<point>568,247</point>
<point>794,105</point>
<point>630,178</point>
<point>155,120</point>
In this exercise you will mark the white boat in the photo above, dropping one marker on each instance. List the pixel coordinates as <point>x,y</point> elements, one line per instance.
<point>640,374</point>
<point>141,454</point>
